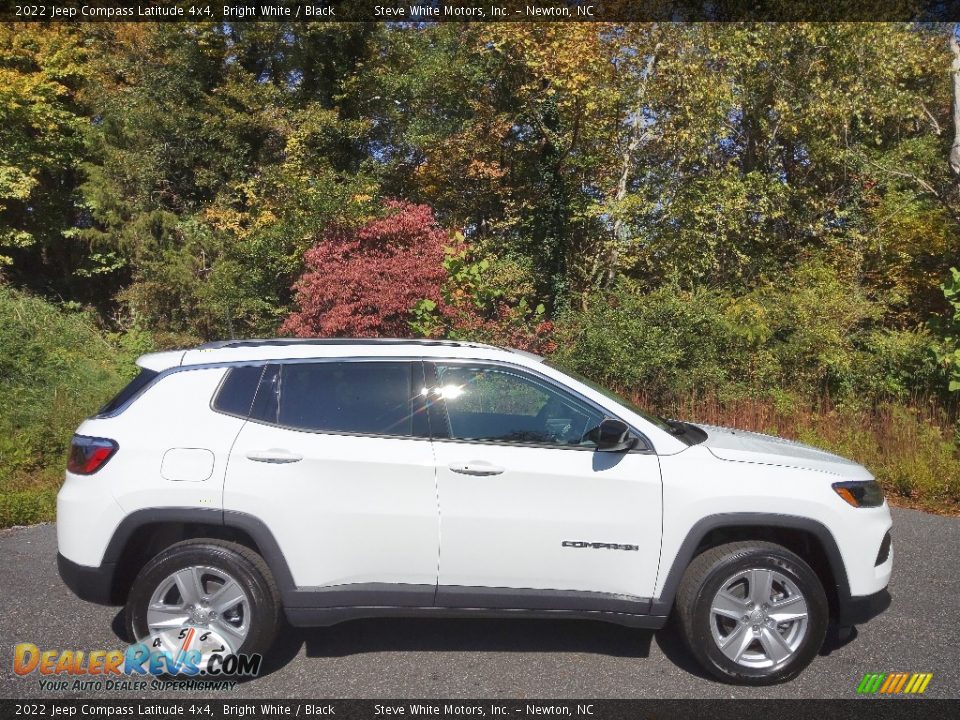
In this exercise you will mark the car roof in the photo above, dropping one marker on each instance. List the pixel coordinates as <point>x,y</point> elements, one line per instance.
<point>247,350</point>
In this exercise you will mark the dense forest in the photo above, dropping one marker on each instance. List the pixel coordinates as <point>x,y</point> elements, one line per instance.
<point>754,225</point>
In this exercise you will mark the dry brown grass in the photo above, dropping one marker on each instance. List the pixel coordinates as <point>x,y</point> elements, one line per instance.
<point>912,448</point>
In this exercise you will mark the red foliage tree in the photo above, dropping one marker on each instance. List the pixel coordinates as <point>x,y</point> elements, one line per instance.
<point>363,282</point>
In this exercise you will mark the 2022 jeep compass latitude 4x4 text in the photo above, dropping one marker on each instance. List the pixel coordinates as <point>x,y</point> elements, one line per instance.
<point>336,479</point>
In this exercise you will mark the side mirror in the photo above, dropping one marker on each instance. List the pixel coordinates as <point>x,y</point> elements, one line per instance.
<point>612,435</point>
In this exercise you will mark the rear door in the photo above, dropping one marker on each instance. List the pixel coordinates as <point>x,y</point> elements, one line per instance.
<point>532,516</point>
<point>337,462</point>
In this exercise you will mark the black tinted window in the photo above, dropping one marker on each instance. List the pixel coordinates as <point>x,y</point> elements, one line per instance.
<point>348,397</point>
<point>133,387</point>
<point>237,390</point>
<point>501,405</point>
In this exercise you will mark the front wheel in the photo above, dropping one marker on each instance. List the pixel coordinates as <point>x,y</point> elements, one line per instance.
<point>752,613</point>
<point>213,596</point>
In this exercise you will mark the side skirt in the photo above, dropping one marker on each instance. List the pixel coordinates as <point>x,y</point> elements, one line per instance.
<point>339,603</point>
<point>323,617</point>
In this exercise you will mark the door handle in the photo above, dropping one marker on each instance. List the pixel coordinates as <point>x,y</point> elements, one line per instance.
<point>478,468</point>
<point>274,455</point>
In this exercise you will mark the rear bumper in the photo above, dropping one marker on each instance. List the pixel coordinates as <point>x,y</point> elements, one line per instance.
<point>858,609</point>
<point>93,584</point>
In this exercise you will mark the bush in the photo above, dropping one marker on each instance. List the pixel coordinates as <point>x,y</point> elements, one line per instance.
<point>366,282</point>
<point>55,369</point>
<point>665,343</point>
<point>485,298</point>
<point>814,334</point>
<point>27,507</point>
<point>897,364</point>
<point>807,323</point>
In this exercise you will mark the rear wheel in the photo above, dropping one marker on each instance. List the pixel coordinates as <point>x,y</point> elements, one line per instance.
<point>752,613</point>
<point>207,595</point>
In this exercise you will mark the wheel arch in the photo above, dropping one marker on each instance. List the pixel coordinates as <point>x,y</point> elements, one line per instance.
<point>144,533</point>
<point>808,538</point>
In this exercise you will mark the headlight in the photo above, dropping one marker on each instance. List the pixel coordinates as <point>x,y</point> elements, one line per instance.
<point>867,493</point>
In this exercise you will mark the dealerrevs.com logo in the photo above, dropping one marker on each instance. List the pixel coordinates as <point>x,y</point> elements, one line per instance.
<point>132,669</point>
<point>898,683</point>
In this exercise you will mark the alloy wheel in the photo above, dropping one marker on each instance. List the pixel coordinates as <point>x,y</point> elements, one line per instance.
<point>759,618</point>
<point>205,600</point>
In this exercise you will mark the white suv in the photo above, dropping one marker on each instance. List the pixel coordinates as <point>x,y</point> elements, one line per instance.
<point>337,479</point>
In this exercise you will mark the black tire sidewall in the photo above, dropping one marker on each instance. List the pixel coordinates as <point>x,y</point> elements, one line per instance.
<point>818,617</point>
<point>263,604</point>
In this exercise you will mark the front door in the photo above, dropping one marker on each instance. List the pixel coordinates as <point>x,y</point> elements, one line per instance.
<point>531,514</point>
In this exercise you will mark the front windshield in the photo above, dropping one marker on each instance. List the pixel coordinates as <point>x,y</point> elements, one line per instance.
<point>653,419</point>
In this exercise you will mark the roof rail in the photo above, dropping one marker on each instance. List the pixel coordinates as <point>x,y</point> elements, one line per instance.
<point>280,342</point>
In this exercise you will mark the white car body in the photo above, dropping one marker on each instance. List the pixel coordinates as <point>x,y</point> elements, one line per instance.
<point>353,524</point>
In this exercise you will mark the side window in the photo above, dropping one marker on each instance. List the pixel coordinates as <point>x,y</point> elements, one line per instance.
<point>143,378</point>
<point>236,391</point>
<point>498,404</point>
<point>375,398</point>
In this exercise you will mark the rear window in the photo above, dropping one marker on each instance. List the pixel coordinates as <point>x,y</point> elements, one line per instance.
<point>236,391</point>
<point>133,387</point>
<point>370,398</point>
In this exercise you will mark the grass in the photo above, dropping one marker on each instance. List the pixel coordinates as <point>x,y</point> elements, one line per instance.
<point>28,507</point>
<point>56,368</point>
<point>911,448</point>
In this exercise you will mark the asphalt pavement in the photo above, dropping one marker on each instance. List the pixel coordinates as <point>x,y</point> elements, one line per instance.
<point>405,658</point>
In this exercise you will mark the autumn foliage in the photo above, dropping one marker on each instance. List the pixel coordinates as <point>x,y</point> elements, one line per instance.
<point>401,275</point>
<point>363,282</point>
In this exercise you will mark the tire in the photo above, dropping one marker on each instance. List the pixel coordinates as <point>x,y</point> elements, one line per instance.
<point>738,642</point>
<point>247,626</point>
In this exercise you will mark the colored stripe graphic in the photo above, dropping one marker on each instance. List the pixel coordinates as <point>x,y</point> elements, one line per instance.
<point>894,683</point>
<point>871,683</point>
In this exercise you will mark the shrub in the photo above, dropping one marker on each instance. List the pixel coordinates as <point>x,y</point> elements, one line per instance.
<point>808,323</point>
<point>27,507</point>
<point>905,446</point>
<point>949,325</point>
<point>364,282</point>
<point>897,364</point>
<point>55,369</point>
<point>663,343</point>
<point>485,298</point>
<point>814,334</point>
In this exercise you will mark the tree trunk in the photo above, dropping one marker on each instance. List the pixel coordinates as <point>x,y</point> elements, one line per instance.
<point>637,136</point>
<point>955,77</point>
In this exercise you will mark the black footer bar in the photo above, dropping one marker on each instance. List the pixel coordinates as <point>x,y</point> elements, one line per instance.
<point>741,709</point>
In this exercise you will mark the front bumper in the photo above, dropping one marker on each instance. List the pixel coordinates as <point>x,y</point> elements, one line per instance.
<point>93,584</point>
<point>873,597</point>
<point>858,609</point>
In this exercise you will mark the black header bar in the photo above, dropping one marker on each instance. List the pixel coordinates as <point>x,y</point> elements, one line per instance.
<point>429,11</point>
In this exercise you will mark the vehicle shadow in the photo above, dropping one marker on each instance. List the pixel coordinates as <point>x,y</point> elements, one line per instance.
<point>671,644</point>
<point>357,637</point>
<point>119,627</point>
<point>837,638</point>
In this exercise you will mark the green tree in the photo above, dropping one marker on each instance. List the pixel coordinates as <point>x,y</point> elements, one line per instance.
<point>42,72</point>
<point>220,157</point>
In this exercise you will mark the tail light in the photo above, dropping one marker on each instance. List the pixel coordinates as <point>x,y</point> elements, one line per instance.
<point>89,454</point>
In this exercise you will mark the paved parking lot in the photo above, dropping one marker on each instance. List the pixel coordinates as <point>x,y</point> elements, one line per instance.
<point>514,658</point>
